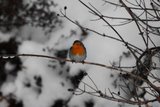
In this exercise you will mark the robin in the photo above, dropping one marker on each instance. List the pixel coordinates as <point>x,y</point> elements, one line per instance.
<point>77,52</point>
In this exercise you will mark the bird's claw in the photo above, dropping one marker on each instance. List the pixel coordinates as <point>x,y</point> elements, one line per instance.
<point>73,61</point>
<point>83,62</point>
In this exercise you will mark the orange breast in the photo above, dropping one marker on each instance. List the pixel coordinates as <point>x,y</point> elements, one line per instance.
<point>78,50</point>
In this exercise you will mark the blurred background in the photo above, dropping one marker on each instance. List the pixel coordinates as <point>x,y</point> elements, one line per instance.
<point>49,27</point>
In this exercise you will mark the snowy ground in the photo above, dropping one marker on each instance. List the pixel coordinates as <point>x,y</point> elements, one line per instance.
<point>45,82</point>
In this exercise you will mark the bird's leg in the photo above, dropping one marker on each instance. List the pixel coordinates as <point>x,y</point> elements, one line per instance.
<point>73,61</point>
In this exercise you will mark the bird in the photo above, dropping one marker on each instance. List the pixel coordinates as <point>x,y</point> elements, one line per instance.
<point>77,52</point>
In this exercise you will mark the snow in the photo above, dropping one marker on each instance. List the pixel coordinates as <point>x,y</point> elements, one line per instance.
<point>99,49</point>
<point>3,103</point>
<point>51,82</point>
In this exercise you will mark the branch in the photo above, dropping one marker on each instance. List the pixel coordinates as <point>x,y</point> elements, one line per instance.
<point>85,62</point>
